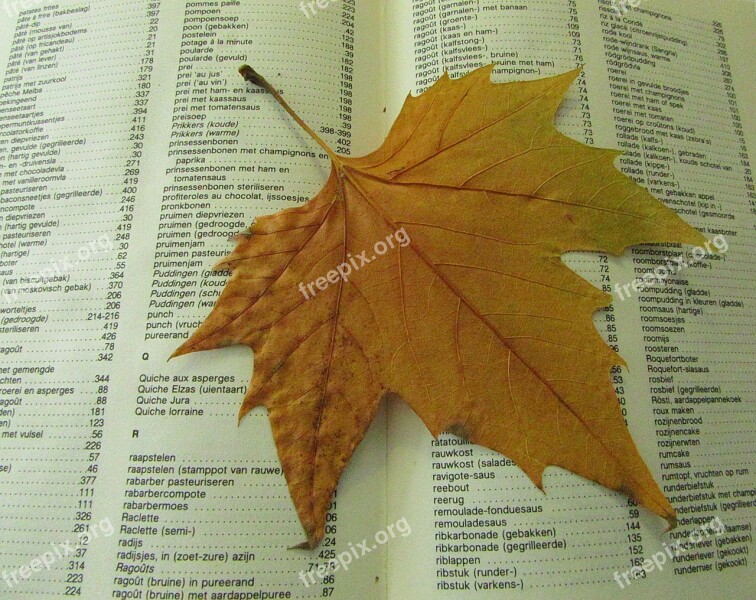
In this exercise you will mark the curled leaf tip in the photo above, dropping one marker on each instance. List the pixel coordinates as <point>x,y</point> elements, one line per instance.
<point>671,522</point>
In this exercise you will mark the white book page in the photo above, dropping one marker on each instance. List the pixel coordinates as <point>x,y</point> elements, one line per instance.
<point>480,527</point>
<point>130,152</point>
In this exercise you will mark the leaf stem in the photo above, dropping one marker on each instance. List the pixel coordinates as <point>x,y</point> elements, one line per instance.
<point>252,76</point>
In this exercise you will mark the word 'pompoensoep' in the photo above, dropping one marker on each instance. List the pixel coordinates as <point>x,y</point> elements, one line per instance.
<point>345,269</point>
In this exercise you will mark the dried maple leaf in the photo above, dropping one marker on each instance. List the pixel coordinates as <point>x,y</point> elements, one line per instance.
<point>477,324</point>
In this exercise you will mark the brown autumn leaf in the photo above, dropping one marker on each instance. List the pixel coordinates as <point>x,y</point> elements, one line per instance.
<point>475,321</point>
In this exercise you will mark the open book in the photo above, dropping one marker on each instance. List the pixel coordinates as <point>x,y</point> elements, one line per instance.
<point>131,151</point>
